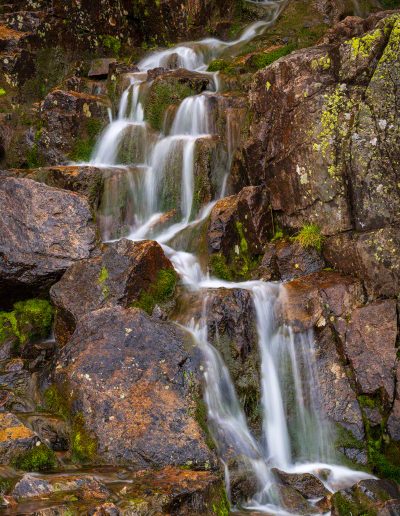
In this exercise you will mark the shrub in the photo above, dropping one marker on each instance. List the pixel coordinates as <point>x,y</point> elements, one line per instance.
<point>310,236</point>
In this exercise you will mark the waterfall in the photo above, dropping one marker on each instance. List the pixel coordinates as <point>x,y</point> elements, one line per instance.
<point>150,193</point>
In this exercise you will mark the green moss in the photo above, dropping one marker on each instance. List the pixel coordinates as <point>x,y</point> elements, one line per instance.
<point>83,445</point>
<point>310,236</point>
<point>162,95</point>
<point>111,43</point>
<point>39,458</point>
<point>200,415</point>
<point>222,508</point>
<point>83,147</point>
<point>219,267</point>
<point>55,402</point>
<point>390,4</point>
<point>29,320</point>
<point>159,292</point>
<point>103,277</point>
<point>323,63</point>
<point>278,235</point>
<point>219,65</point>
<point>382,466</point>
<point>344,506</point>
<point>264,59</point>
<point>2,92</point>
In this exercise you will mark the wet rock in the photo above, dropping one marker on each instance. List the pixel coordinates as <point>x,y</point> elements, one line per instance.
<point>372,256</point>
<point>372,332</point>
<point>15,438</point>
<point>118,276</point>
<point>85,180</point>
<point>51,230</point>
<point>106,509</point>
<point>131,391</point>
<point>99,68</point>
<point>390,508</point>
<point>84,487</point>
<point>175,491</point>
<point>52,430</point>
<point>366,496</point>
<point>308,485</point>
<point>238,227</point>
<point>291,500</point>
<point>18,386</point>
<point>71,122</point>
<point>287,260</point>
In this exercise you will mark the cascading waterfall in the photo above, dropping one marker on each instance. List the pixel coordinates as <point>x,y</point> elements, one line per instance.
<point>160,205</point>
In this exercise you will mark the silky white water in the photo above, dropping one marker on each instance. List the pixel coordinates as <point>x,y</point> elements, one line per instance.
<point>150,193</point>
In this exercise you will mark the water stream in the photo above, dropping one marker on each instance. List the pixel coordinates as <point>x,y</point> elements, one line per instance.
<point>160,205</point>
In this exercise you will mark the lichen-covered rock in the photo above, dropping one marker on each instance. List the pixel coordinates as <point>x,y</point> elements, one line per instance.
<point>50,230</point>
<point>15,438</point>
<point>125,273</point>
<point>130,377</point>
<point>308,485</point>
<point>85,180</point>
<point>372,256</point>
<point>71,123</point>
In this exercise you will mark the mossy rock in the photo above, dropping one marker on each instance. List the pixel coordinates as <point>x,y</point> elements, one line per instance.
<point>159,292</point>
<point>39,458</point>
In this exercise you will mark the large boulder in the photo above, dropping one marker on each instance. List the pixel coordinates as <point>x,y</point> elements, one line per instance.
<point>119,276</point>
<point>130,378</point>
<point>50,230</point>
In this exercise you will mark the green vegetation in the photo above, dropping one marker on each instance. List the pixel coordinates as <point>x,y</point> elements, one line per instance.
<point>33,158</point>
<point>2,92</point>
<point>390,4</point>
<point>103,277</point>
<point>264,59</point>
<point>223,507</point>
<point>278,234</point>
<point>310,236</point>
<point>28,320</point>
<point>200,415</point>
<point>219,268</point>
<point>111,43</point>
<point>158,292</point>
<point>83,445</point>
<point>39,458</point>
<point>55,402</point>
<point>83,148</point>
<point>361,47</point>
<point>162,95</point>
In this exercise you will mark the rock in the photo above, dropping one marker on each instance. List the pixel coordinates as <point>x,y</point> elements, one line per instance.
<point>53,430</point>
<point>85,180</point>
<point>316,166</point>
<point>394,418</point>
<point>71,122</point>
<point>15,438</point>
<point>119,276</point>
<point>310,300</point>
<point>51,230</point>
<point>131,391</point>
<point>238,227</point>
<point>390,508</point>
<point>372,256</point>
<point>372,332</point>
<point>106,509</point>
<point>175,491</point>
<point>287,260</point>
<point>365,496</point>
<point>99,68</point>
<point>84,487</point>
<point>291,500</point>
<point>337,398</point>
<point>308,485</point>
<point>18,386</point>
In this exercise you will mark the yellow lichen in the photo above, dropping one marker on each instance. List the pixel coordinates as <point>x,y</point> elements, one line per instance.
<point>361,47</point>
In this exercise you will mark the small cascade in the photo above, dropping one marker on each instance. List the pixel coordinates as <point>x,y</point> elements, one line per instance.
<point>154,196</point>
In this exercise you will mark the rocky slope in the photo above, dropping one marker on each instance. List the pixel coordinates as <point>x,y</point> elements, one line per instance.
<point>313,106</point>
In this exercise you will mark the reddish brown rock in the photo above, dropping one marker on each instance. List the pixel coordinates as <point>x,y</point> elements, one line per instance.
<point>50,230</point>
<point>372,256</point>
<point>394,418</point>
<point>129,375</point>
<point>117,277</point>
<point>372,333</point>
<point>308,485</point>
<point>15,438</point>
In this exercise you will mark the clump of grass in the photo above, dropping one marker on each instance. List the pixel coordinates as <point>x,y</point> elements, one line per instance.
<point>39,458</point>
<point>310,236</point>
<point>259,61</point>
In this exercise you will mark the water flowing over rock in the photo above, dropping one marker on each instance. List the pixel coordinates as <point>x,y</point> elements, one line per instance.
<point>141,418</point>
<point>51,230</point>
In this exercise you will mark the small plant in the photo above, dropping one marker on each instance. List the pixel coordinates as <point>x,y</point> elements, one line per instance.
<point>310,236</point>
<point>112,43</point>
<point>39,458</point>
<point>162,289</point>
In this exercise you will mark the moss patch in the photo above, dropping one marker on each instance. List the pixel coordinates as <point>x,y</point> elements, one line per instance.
<point>159,292</point>
<point>83,147</point>
<point>29,320</point>
<point>103,277</point>
<point>39,458</point>
<point>83,445</point>
<point>162,95</point>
